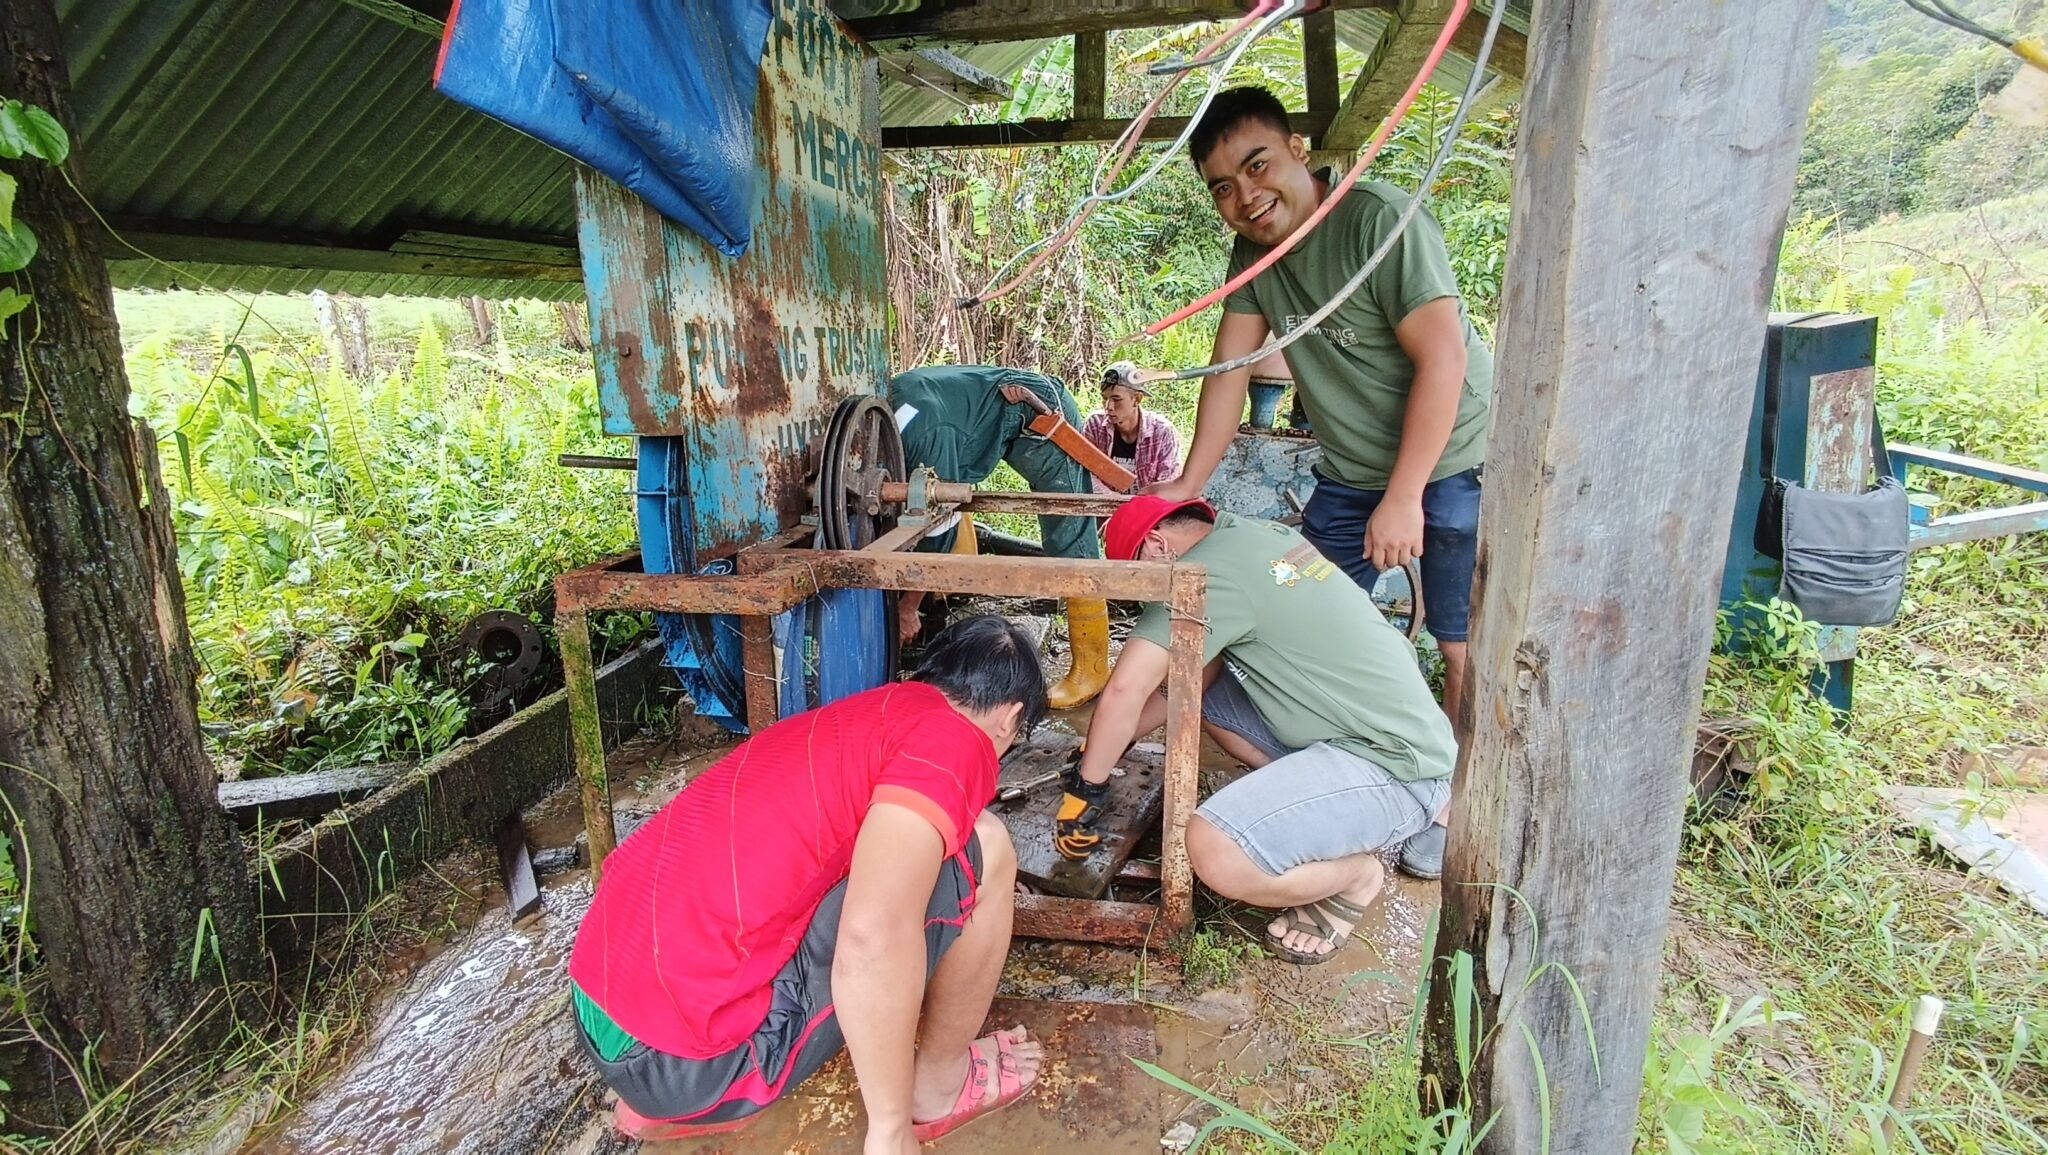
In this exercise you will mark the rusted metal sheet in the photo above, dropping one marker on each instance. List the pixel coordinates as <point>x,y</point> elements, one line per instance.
<point>1131,812</point>
<point>746,358</point>
<point>1843,407</point>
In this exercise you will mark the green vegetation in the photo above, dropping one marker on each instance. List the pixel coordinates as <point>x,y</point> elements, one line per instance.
<point>335,534</point>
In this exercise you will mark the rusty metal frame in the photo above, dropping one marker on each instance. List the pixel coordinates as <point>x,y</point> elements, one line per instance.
<point>773,577</point>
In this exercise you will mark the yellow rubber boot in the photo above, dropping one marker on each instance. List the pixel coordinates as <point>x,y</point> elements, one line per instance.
<point>1088,638</point>
<point>963,536</point>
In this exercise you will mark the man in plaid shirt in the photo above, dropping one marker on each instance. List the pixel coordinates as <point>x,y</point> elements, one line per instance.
<point>1141,442</point>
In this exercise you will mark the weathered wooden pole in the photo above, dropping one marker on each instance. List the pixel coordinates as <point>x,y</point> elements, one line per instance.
<point>1659,140</point>
<point>126,857</point>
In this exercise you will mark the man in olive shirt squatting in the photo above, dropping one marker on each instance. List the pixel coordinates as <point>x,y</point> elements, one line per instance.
<point>1396,383</point>
<point>1304,682</point>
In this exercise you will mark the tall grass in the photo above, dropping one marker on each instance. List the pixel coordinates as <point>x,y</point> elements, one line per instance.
<point>335,534</point>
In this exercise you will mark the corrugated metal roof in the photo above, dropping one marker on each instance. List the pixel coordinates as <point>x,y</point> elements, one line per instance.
<point>311,125</point>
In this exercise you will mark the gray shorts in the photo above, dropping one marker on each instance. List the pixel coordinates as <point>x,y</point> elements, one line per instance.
<point>1310,805</point>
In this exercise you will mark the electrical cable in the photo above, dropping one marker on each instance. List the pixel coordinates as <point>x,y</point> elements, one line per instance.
<point>1309,323</point>
<point>1125,145</point>
<point>1268,14</point>
<point>1942,11</point>
<point>1343,186</point>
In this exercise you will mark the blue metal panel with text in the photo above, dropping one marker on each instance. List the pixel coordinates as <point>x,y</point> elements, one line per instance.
<point>726,369</point>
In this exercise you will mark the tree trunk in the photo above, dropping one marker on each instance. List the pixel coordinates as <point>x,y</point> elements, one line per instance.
<point>575,317</point>
<point>126,852</point>
<point>480,319</point>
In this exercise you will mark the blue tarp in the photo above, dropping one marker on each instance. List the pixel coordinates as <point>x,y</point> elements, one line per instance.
<point>657,96</point>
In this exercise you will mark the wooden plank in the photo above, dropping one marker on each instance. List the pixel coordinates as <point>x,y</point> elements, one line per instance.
<point>942,70</point>
<point>1055,504</point>
<point>1032,133</point>
<point>986,21</point>
<point>1319,60</point>
<point>1079,920</point>
<point>1622,324</point>
<point>586,734</point>
<point>1411,30</point>
<point>1132,812</point>
<point>267,801</point>
<point>211,244</point>
<point>1091,74</point>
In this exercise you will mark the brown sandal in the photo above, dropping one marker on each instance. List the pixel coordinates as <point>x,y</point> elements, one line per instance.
<point>1313,918</point>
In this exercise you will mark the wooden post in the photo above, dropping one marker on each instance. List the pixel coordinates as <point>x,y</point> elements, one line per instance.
<point>1654,172</point>
<point>1091,74</point>
<point>1187,614</point>
<point>586,733</point>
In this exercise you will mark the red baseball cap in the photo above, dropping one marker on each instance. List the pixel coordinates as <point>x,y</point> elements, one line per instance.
<point>1128,526</point>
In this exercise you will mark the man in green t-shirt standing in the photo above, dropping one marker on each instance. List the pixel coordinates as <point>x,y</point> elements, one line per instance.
<point>1395,382</point>
<point>1305,683</point>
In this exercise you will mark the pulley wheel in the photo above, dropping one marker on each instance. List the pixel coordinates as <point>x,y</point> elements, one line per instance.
<point>862,449</point>
<point>509,644</point>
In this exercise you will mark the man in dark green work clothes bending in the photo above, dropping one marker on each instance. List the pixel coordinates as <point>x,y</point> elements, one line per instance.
<point>964,419</point>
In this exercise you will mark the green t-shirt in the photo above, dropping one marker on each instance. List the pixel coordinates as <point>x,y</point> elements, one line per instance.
<point>1316,658</point>
<point>1351,373</point>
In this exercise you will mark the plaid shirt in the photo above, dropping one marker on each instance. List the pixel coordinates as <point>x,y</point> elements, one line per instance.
<point>1158,456</point>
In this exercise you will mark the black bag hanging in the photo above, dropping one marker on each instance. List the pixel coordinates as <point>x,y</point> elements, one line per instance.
<point>1841,556</point>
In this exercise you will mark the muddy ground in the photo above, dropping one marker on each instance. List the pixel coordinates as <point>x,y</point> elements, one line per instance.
<point>469,1049</point>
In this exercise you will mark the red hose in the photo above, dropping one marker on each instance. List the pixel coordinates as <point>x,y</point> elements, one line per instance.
<point>1379,140</point>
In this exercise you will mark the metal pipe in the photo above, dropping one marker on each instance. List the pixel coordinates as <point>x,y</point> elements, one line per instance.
<point>1926,1017</point>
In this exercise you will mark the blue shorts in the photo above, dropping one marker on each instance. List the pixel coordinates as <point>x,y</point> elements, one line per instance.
<point>1334,522</point>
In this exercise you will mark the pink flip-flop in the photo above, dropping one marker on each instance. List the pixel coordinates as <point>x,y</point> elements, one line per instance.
<point>976,1099</point>
<point>633,1125</point>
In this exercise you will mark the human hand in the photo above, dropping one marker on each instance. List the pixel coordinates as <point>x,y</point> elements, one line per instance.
<point>1017,394</point>
<point>1176,488</point>
<point>1393,534</point>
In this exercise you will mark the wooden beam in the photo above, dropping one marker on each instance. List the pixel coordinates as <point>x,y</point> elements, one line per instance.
<point>1091,74</point>
<point>1319,61</point>
<point>419,253</point>
<point>1411,29</point>
<point>942,70</point>
<point>1030,133</point>
<point>986,21</point>
<point>404,15</point>
<point>1653,175</point>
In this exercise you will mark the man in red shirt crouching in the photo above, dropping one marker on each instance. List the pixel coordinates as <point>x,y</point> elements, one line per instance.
<point>832,882</point>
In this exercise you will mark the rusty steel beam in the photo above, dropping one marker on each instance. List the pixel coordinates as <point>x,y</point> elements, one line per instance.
<point>995,576</point>
<point>1048,504</point>
<point>770,592</point>
<point>1187,612</point>
<point>1087,920</point>
<point>757,662</point>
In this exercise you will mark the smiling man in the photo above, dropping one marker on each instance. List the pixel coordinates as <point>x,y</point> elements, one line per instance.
<point>1395,382</point>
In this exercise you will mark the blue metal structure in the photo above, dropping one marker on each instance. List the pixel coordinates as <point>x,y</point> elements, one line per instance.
<point>727,369</point>
<point>1815,423</point>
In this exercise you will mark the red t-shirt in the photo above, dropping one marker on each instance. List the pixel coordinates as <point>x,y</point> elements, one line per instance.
<point>698,909</point>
